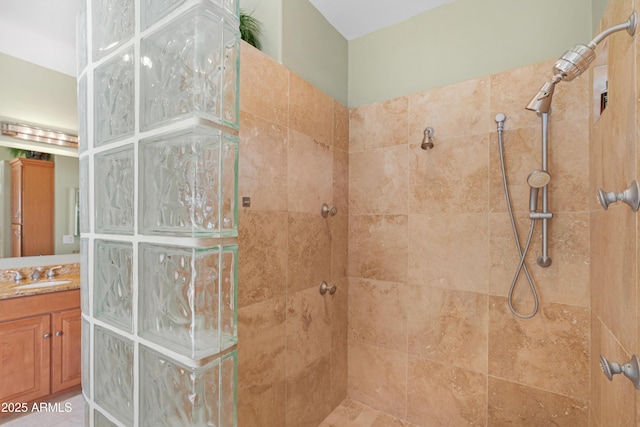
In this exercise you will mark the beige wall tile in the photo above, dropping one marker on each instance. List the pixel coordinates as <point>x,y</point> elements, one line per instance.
<point>261,364</point>
<point>309,174</point>
<point>339,374</point>
<point>262,256</point>
<point>378,125</point>
<point>378,181</point>
<point>340,181</point>
<point>378,377</point>
<point>308,394</point>
<point>613,274</point>
<point>263,163</point>
<point>566,281</point>
<point>448,327</point>
<point>339,228</point>
<point>339,312</point>
<point>340,127</point>
<point>378,247</point>
<point>452,177</point>
<point>521,150</point>
<point>377,313</point>
<point>517,405</point>
<point>549,351</point>
<point>308,330</point>
<point>444,395</point>
<point>449,251</point>
<point>452,111</point>
<point>264,86</point>
<point>309,251</point>
<point>310,110</point>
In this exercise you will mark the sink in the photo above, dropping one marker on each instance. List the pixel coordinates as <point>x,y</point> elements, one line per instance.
<point>43,284</point>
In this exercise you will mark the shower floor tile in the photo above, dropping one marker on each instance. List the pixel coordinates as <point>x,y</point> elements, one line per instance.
<point>354,414</point>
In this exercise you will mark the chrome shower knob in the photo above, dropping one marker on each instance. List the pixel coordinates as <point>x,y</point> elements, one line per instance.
<point>631,369</point>
<point>324,288</point>
<point>630,196</point>
<point>325,210</point>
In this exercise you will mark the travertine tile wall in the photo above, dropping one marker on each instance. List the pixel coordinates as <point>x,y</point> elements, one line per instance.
<point>431,257</point>
<point>292,352</point>
<point>431,254</point>
<point>614,236</point>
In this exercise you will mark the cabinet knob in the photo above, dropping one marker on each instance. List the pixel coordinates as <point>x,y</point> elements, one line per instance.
<point>47,335</point>
<point>59,333</point>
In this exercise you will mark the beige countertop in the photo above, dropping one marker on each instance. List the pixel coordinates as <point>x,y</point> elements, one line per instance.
<point>69,273</point>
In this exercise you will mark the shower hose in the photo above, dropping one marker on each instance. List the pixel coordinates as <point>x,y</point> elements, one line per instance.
<point>522,266</point>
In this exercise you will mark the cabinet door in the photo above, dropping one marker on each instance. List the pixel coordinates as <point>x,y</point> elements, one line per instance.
<point>37,207</point>
<point>66,353</point>
<point>25,347</point>
<point>16,240</point>
<point>16,192</point>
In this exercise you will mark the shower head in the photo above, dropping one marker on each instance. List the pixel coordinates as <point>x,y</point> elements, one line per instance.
<point>574,62</point>
<point>541,103</point>
<point>536,180</point>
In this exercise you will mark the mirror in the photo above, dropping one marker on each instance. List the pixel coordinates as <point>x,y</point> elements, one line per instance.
<point>66,239</point>
<point>44,98</point>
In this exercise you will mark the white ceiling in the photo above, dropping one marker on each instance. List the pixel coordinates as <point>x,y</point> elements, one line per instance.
<point>43,31</point>
<point>355,18</point>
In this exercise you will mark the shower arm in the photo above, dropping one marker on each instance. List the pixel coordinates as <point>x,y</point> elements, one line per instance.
<point>629,25</point>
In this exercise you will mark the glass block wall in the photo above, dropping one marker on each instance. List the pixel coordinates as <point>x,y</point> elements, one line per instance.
<point>158,106</point>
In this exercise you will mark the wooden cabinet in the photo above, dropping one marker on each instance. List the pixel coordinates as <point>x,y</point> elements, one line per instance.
<point>66,349</point>
<point>40,346</point>
<point>24,359</point>
<point>32,207</point>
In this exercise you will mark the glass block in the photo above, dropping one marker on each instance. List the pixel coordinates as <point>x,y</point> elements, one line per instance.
<point>82,114</point>
<point>114,92</point>
<point>172,394</point>
<point>101,421</point>
<point>84,195</point>
<point>87,414</point>
<point>113,25</point>
<point>231,77</point>
<point>81,37</point>
<point>84,276</point>
<point>113,374</point>
<point>188,183</point>
<point>86,357</point>
<point>114,185</point>
<point>183,66</point>
<point>113,282</point>
<point>154,10</point>
<point>188,298</point>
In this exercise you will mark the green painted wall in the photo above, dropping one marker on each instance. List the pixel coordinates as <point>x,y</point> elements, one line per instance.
<point>269,13</point>
<point>313,49</point>
<point>37,95</point>
<point>462,40</point>
<point>597,9</point>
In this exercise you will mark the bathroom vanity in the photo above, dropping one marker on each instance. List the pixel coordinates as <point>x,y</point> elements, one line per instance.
<point>40,339</point>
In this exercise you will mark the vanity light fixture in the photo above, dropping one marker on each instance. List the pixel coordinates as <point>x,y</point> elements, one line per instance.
<point>31,133</point>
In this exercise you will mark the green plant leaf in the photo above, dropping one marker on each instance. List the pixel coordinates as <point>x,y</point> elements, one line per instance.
<point>250,29</point>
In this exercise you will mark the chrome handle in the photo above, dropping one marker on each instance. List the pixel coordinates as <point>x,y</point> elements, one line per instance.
<point>18,277</point>
<point>630,196</point>
<point>631,369</point>
<point>47,335</point>
<point>325,211</point>
<point>50,272</point>
<point>59,333</point>
<point>324,288</point>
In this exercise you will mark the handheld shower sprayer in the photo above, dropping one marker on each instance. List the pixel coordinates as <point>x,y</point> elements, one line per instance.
<point>536,180</point>
<point>574,62</point>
